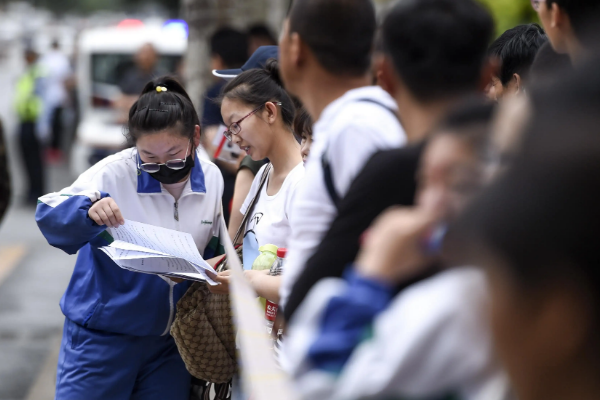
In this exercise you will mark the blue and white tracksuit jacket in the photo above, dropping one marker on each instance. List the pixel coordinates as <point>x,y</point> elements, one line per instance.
<point>352,339</point>
<point>103,297</point>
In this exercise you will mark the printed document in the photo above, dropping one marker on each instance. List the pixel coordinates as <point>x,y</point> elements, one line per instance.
<point>154,250</point>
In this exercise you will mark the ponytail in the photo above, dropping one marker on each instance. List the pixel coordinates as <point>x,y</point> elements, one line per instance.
<point>164,104</point>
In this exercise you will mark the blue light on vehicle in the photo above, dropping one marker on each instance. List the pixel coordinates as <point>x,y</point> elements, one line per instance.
<point>176,25</point>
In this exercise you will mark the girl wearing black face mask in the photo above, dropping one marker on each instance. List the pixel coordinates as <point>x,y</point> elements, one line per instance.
<point>117,321</point>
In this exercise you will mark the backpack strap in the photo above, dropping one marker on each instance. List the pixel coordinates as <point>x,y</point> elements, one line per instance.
<point>326,165</point>
<point>391,110</point>
<point>328,176</point>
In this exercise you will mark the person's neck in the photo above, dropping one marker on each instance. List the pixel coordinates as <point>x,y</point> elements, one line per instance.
<point>418,119</point>
<point>577,53</point>
<point>323,89</point>
<point>285,153</point>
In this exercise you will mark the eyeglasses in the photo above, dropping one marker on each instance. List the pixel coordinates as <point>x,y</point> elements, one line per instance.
<point>235,128</point>
<point>536,4</point>
<point>176,164</point>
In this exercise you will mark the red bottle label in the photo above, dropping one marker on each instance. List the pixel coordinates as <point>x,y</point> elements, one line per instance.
<point>271,310</point>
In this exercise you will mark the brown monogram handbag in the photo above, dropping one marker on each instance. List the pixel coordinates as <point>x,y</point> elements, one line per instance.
<point>203,328</point>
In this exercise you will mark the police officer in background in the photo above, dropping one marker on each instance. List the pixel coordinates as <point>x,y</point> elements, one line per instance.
<point>29,107</point>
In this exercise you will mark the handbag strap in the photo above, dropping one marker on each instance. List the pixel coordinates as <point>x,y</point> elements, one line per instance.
<point>242,227</point>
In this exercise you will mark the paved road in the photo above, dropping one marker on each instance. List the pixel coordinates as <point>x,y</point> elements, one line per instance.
<point>33,276</point>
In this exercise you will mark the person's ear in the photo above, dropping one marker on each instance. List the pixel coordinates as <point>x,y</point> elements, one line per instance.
<point>272,112</point>
<point>557,17</point>
<point>297,50</point>
<point>518,83</point>
<point>386,75</point>
<point>197,136</point>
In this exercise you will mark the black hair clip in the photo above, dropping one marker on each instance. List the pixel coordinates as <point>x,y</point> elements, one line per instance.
<point>156,109</point>
<point>167,104</point>
<point>141,109</point>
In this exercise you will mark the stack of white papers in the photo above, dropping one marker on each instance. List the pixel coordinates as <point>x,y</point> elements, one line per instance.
<point>153,250</point>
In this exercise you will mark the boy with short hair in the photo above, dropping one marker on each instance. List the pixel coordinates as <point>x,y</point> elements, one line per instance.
<point>325,60</point>
<point>515,49</point>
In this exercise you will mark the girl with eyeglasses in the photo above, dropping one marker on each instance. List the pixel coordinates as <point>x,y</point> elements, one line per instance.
<point>116,342</point>
<point>259,115</point>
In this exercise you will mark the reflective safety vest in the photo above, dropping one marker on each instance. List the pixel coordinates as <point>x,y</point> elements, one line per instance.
<point>28,101</point>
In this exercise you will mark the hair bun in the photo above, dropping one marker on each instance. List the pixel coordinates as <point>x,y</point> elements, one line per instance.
<point>272,68</point>
<point>166,84</point>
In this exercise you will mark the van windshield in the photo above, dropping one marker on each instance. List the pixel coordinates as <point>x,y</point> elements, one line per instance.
<point>108,69</point>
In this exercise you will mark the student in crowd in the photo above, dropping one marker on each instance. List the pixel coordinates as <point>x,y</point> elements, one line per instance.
<point>355,338</point>
<point>259,114</point>
<point>532,232</point>
<point>420,68</point>
<point>569,24</point>
<point>248,168</point>
<point>228,49</point>
<point>303,130</point>
<point>515,49</point>
<point>325,60</point>
<point>116,342</point>
<point>259,35</point>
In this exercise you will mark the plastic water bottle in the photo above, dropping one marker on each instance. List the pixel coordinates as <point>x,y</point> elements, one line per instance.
<point>265,260</point>
<point>270,307</point>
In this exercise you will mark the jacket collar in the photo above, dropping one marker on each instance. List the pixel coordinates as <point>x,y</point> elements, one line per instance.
<point>147,184</point>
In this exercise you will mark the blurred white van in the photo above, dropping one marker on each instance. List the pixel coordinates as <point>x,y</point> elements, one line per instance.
<point>104,55</point>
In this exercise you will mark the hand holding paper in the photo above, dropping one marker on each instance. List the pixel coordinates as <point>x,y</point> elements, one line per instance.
<point>154,250</point>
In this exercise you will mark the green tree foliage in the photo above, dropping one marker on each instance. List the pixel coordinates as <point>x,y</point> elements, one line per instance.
<point>509,13</point>
<point>89,6</point>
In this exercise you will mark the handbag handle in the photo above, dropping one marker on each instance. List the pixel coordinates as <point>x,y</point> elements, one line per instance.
<point>242,227</point>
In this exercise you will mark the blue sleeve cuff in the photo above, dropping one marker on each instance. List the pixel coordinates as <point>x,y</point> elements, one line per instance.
<point>66,225</point>
<point>347,320</point>
<point>378,293</point>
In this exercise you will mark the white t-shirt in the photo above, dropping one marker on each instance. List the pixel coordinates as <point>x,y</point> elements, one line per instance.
<point>350,130</point>
<point>269,222</point>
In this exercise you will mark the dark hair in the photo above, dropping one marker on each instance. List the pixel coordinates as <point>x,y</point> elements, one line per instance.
<point>548,64</point>
<point>231,45</point>
<point>258,86</point>
<point>156,111</point>
<point>539,216</point>
<point>338,32</point>
<point>583,15</point>
<point>438,47</point>
<point>262,31</point>
<point>302,123</point>
<point>516,48</point>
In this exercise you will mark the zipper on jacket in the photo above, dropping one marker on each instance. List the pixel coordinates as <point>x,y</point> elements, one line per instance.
<point>176,215</point>
<point>171,307</point>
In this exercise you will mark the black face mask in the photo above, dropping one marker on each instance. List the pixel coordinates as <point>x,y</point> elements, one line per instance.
<point>168,175</point>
